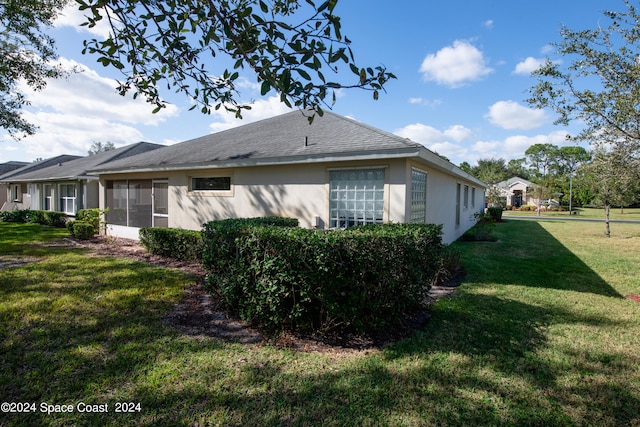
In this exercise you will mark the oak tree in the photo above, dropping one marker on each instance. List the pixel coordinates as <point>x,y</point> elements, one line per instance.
<point>295,47</point>
<point>28,54</point>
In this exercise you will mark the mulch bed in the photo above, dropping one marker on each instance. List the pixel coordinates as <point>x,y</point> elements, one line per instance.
<point>200,314</point>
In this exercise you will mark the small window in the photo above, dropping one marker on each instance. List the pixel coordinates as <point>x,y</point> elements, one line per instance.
<point>473,197</point>
<point>466,196</point>
<point>218,183</point>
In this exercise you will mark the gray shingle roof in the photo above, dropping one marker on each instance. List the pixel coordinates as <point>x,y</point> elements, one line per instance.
<point>287,138</point>
<point>31,167</point>
<point>11,166</point>
<point>78,167</point>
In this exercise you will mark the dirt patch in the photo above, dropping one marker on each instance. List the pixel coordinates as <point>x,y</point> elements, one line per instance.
<point>200,314</point>
<point>633,297</point>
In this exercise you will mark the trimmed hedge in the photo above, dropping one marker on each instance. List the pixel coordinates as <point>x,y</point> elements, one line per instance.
<point>183,245</point>
<point>50,218</point>
<point>299,279</point>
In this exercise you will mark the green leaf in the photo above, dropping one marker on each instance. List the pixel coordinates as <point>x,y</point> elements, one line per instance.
<point>265,88</point>
<point>303,74</point>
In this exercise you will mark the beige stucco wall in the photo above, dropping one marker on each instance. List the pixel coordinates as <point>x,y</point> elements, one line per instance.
<point>302,191</point>
<point>441,201</point>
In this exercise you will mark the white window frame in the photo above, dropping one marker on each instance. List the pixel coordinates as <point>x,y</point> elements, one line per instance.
<point>63,199</point>
<point>48,200</point>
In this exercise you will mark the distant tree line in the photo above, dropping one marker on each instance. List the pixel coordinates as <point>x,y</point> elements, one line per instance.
<point>597,177</point>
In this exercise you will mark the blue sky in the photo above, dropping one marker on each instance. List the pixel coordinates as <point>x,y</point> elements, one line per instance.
<point>462,66</point>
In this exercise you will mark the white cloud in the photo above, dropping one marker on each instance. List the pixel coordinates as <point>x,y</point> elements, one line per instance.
<point>438,141</point>
<point>511,115</point>
<point>62,133</point>
<point>72,16</point>
<point>459,133</point>
<point>529,65</point>
<point>458,143</point>
<point>455,65</point>
<point>488,24</point>
<point>73,113</point>
<point>260,109</point>
<point>431,103</point>
<point>87,94</point>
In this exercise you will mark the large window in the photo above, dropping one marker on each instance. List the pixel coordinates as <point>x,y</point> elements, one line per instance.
<point>217,183</point>
<point>356,197</point>
<point>68,198</point>
<point>129,203</point>
<point>418,196</point>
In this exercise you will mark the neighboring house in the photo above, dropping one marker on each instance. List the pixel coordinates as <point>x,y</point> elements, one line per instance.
<point>63,183</point>
<point>518,192</point>
<point>5,168</point>
<point>17,192</point>
<point>334,173</point>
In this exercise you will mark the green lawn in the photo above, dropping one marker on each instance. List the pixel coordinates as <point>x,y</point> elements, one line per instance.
<point>591,213</point>
<point>539,334</point>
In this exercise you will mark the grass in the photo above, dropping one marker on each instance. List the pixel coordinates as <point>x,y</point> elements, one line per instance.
<point>590,213</point>
<point>539,334</point>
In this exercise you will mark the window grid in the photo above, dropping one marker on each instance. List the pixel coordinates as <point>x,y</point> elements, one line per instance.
<point>68,198</point>
<point>356,197</point>
<point>418,211</point>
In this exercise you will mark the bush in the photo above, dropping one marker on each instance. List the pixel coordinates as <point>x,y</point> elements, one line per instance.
<point>69,226</point>
<point>82,230</point>
<point>184,245</point>
<point>15,216</point>
<point>53,219</point>
<point>495,213</point>
<point>292,278</point>
<point>90,216</point>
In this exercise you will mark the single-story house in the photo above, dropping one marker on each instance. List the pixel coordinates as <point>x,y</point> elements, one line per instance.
<point>63,183</point>
<point>333,173</point>
<point>518,192</point>
<point>5,168</point>
<point>18,191</point>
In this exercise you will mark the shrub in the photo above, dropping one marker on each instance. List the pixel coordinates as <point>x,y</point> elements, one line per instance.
<point>15,216</point>
<point>69,226</point>
<point>82,230</point>
<point>53,219</point>
<point>90,216</point>
<point>184,245</point>
<point>288,277</point>
<point>495,213</point>
<point>482,231</point>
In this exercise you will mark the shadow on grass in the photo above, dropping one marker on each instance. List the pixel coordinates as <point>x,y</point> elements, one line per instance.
<point>527,255</point>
